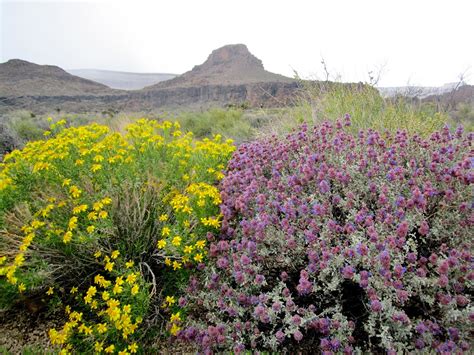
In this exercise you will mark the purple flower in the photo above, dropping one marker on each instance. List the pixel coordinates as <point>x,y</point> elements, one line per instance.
<point>244,259</point>
<point>402,229</point>
<point>304,286</point>
<point>280,336</point>
<point>376,306</point>
<point>324,187</point>
<point>348,272</point>
<point>298,336</point>
<point>424,229</point>
<point>259,279</point>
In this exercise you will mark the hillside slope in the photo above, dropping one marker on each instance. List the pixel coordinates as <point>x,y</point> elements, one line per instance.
<point>22,78</point>
<point>229,65</point>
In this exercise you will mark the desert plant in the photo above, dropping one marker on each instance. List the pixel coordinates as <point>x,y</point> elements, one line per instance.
<point>319,101</point>
<point>338,243</point>
<point>72,204</point>
<point>230,123</point>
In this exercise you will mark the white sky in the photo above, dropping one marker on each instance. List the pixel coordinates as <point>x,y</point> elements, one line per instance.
<point>417,42</point>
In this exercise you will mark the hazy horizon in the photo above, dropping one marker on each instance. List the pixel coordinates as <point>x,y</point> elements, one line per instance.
<point>424,43</point>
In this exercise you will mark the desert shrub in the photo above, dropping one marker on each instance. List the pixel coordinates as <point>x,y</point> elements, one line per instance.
<point>71,204</point>
<point>25,125</point>
<point>229,123</point>
<point>321,101</point>
<point>338,243</point>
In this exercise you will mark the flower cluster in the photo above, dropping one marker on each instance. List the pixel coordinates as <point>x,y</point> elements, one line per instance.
<point>340,243</point>
<point>109,312</point>
<point>148,195</point>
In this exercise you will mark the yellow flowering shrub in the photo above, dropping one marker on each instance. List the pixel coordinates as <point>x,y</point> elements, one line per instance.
<point>106,317</point>
<point>148,195</point>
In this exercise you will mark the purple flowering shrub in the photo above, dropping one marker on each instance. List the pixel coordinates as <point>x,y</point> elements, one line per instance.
<point>337,243</point>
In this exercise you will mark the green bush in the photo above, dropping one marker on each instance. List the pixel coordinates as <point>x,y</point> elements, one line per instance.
<point>106,224</point>
<point>229,123</point>
<point>320,101</point>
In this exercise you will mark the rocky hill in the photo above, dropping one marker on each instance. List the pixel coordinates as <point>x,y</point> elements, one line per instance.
<point>22,78</point>
<point>229,65</point>
<point>122,80</point>
<point>230,76</point>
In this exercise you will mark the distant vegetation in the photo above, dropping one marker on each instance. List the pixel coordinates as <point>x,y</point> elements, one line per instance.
<point>316,102</point>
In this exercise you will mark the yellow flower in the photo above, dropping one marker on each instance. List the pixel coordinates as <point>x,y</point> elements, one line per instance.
<point>72,223</point>
<point>21,287</point>
<point>67,237</point>
<point>92,291</point>
<point>163,218</point>
<point>176,265</point>
<point>75,191</point>
<point>174,329</point>
<point>170,300</point>
<point>200,244</point>
<point>115,254</point>
<point>97,254</point>
<point>176,317</point>
<point>103,214</point>
<point>98,347</point>
<point>73,290</point>
<point>131,278</point>
<point>110,349</point>
<point>106,201</point>
<point>19,259</point>
<point>92,216</point>
<point>161,244</point>
<point>117,289</point>
<point>198,257</point>
<point>165,231</point>
<point>105,295</point>
<point>96,167</point>
<point>133,348</point>
<point>50,291</point>
<point>101,328</point>
<point>119,280</point>
<point>98,206</point>
<point>98,158</point>
<point>79,209</point>
<point>129,264</point>
<point>66,182</point>
<point>211,222</point>
<point>90,230</point>
<point>109,266</point>
<point>134,289</point>
<point>167,261</point>
<point>127,308</point>
<point>176,241</point>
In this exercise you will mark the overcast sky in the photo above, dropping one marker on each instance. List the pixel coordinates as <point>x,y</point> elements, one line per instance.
<point>418,42</point>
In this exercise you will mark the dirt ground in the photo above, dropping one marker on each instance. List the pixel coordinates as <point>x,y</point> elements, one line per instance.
<point>22,331</point>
